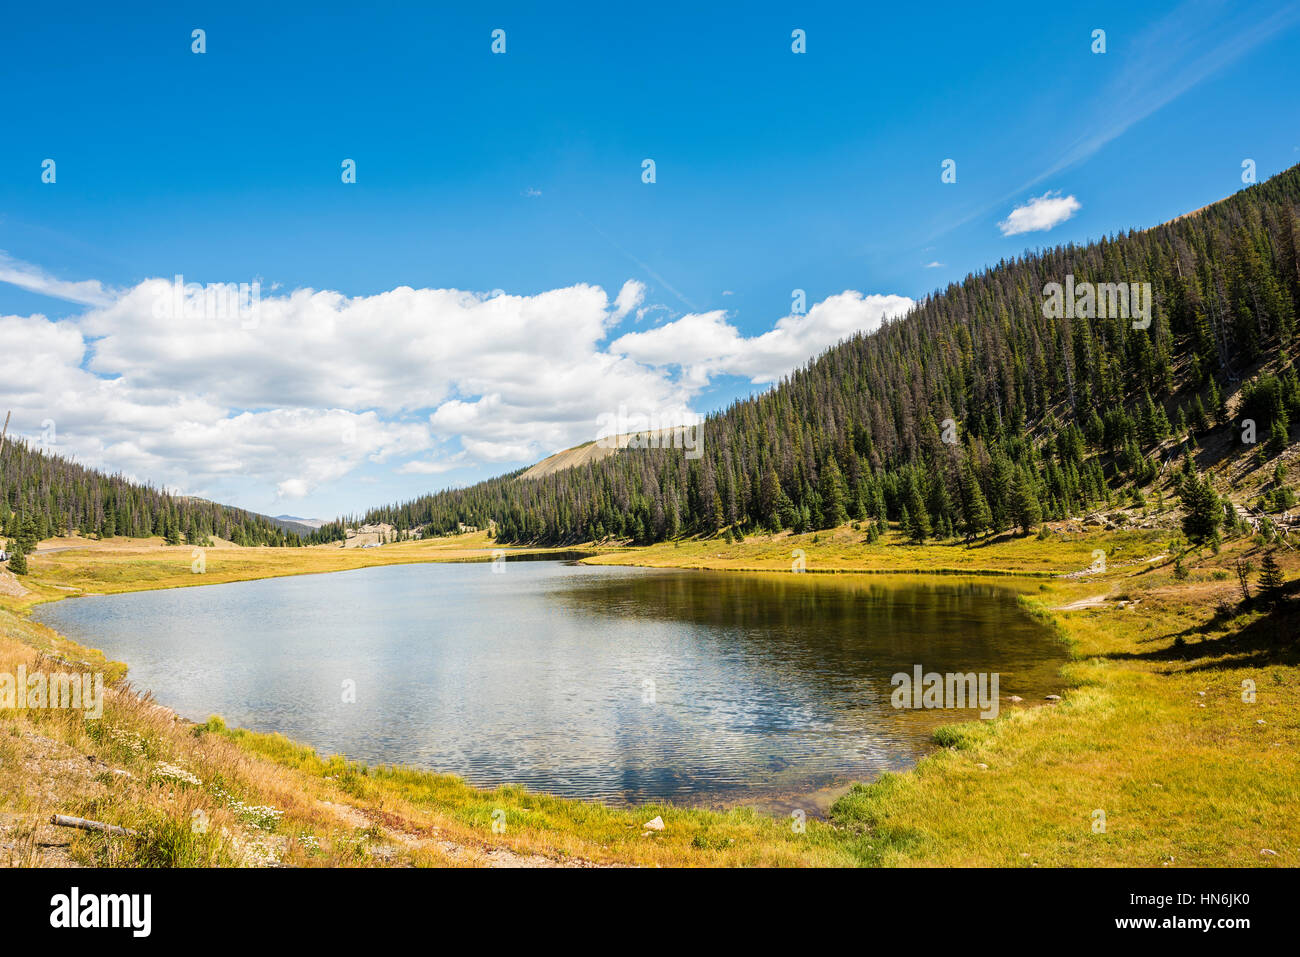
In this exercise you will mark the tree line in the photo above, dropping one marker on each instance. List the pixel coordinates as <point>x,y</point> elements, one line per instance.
<point>980,410</point>
<point>44,495</point>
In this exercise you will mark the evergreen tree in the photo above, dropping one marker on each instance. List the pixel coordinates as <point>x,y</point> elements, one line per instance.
<point>1026,510</point>
<point>832,493</point>
<point>976,515</point>
<point>1277,437</point>
<point>917,525</point>
<point>1271,579</point>
<point>1202,512</point>
<point>769,500</point>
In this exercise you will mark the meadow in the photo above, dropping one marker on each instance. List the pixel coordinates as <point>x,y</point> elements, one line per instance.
<point>1177,742</point>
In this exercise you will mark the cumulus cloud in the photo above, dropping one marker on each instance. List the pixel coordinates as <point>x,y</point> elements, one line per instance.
<point>1039,214</point>
<point>292,488</point>
<point>629,297</point>
<point>312,385</point>
<point>707,344</point>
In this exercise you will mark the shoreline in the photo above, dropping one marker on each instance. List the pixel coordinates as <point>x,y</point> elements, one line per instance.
<point>901,818</point>
<point>774,803</point>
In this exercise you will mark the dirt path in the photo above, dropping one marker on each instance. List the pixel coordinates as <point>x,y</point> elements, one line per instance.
<point>1096,601</point>
<point>400,832</point>
<point>10,585</point>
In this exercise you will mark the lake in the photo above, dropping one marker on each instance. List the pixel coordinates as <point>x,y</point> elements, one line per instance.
<point>618,684</point>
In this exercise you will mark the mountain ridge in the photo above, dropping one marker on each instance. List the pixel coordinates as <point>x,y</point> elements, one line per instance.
<point>1053,412</point>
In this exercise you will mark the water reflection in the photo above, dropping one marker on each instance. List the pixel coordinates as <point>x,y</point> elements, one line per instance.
<point>611,683</point>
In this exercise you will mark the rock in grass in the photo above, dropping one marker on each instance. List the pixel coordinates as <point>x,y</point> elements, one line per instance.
<point>657,824</point>
<point>1267,852</point>
<point>1053,697</point>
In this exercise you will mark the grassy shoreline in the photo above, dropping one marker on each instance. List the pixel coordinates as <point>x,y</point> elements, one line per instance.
<point>1152,733</point>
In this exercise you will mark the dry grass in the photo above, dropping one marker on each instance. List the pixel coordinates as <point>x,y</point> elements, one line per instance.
<point>1154,733</point>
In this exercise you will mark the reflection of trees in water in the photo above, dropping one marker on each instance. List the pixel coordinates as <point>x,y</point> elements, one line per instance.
<point>830,645</point>
<point>858,614</point>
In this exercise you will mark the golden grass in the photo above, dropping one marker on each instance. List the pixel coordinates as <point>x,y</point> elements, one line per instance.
<point>846,550</point>
<point>1182,777</point>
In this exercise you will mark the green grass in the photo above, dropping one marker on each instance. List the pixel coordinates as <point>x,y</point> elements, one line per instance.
<point>1153,733</point>
<point>846,550</point>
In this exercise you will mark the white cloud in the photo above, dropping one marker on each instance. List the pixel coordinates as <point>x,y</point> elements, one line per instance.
<point>706,344</point>
<point>934,265</point>
<point>292,488</point>
<point>323,385</point>
<point>692,340</point>
<point>629,297</point>
<point>33,279</point>
<point>1039,214</point>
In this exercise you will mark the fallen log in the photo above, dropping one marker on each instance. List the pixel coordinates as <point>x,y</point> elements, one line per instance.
<point>81,823</point>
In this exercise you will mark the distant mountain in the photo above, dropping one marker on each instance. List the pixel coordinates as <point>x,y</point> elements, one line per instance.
<point>996,402</point>
<point>593,451</point>
<point>296,525</point>
<point>313,522</point>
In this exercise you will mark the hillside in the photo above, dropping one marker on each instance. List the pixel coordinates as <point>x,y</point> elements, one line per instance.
<point>592,451</point>
<point>983,409</point>
<point>43,496</point>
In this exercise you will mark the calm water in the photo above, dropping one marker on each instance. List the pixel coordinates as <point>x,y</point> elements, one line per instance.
<point>611,683</point>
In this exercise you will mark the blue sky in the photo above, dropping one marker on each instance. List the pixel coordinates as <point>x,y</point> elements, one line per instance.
<point>522,173</point>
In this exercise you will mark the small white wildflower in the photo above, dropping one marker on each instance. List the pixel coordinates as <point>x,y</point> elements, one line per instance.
<point>170,772</point>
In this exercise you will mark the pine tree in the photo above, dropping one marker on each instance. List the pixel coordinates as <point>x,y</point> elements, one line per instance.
<point>832,493</point>
<point>1202,512</point>
<point>976,515</point>
<point>1218,403</point>
<point>917,524</point>
<point>716,517</point>
<point>1271,579</point>
<point>1200,420</point>
<point>769,500</point>
<point>1277,437</point>
<point>1026,511</point>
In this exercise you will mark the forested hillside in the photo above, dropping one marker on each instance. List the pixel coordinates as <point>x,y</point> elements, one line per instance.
<point>43,496</point>
<point>1050,415</point>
